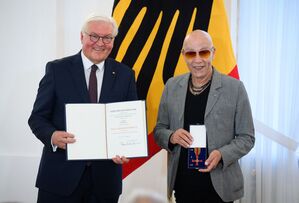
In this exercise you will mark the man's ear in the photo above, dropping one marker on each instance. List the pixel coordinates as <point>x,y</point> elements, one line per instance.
<point>213,53</point>
<point>81,37</point>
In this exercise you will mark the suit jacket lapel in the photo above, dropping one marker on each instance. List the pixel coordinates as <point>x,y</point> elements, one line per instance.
<point>180,97</point>
<point>77,72</point>
<point>214,91</point>
<point>110,74</point>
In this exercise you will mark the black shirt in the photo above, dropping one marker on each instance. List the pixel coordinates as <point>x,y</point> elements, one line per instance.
<point>188,180</point>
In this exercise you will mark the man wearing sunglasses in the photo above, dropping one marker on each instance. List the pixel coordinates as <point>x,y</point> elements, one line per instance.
<point>204,99</point>
<point>87,77</point>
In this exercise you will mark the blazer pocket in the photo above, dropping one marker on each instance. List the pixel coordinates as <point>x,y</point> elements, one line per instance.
<point>234,176</point>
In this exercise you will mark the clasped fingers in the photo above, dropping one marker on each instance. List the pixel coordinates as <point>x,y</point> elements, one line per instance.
<point>120,160</point>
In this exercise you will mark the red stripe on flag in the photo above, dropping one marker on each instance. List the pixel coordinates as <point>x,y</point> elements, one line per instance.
<point>234,73</point>
<point>133,164</point>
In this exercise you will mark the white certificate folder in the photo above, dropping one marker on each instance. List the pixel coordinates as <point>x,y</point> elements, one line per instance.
<point>103,131</point>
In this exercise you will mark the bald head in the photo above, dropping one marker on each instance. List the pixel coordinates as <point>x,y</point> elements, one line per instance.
<point>198,52</point>
<point>197,40</point>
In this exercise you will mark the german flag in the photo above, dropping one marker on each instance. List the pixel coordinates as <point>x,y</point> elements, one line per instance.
<point>150,39</point>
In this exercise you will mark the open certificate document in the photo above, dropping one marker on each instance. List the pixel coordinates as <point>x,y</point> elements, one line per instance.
<point>103,131</point>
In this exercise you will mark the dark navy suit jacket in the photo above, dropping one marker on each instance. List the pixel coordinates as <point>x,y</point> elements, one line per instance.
<point>64,82</point>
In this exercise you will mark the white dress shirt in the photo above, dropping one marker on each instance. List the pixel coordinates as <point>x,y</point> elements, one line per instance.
<point>87,69</point>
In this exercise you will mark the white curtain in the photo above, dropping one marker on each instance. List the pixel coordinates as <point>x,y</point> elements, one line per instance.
<point>267,57</point>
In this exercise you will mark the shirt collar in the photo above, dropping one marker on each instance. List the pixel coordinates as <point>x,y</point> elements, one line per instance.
<point>87,63</point>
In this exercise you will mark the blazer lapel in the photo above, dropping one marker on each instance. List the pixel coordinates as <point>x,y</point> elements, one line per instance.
<point>77,72</point>
<point>110,74</point>
<point>214,92</point>
<point>180,97</point>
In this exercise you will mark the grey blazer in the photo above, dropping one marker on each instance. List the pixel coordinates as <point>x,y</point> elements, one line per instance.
<point>229,126</point>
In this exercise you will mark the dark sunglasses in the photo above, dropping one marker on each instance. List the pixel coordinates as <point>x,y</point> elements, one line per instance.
<point>204,54</point>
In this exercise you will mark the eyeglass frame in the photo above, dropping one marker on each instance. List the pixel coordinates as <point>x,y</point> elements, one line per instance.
<point>211,50</point>
<point>103,38</point>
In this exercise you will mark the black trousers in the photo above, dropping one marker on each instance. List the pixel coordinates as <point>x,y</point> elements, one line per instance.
<point>84,193</point>
<point>187,197</point>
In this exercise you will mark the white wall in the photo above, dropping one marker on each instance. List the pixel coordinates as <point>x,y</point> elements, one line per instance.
<point>25,47</point>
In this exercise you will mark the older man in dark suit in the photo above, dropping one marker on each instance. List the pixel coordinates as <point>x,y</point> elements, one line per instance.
<point>87,77</point>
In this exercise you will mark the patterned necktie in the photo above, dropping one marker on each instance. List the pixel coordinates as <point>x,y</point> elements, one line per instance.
<point>93,85</point>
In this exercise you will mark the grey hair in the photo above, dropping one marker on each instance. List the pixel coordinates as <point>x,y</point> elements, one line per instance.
<point>95,17</point>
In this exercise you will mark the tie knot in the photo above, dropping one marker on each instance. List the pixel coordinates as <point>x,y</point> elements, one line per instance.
<point>94,68</point>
